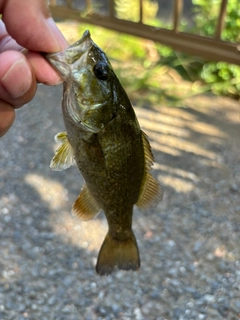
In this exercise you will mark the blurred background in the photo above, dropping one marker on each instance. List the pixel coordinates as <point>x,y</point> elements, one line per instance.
<point>194,29</point>
<point>189,107</point>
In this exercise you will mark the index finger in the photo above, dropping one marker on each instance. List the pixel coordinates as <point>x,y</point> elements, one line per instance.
<point>29,22</point>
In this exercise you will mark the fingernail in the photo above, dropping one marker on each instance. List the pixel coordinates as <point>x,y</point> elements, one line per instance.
<point>61,42</point>
<point>18,79</point>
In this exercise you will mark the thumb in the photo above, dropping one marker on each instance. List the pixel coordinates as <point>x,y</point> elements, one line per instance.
<point>29,22</point>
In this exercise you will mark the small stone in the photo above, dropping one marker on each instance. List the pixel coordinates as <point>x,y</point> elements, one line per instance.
<point>197,246</point>
<point>93,285</point>
<point>190,290</point>
<point>102,311</point>
<point>52,300</point>
<point>210,257</point>
<point>196,295</point>
<point>3,315</point>
<point>10,305</point>
<point>21,307</point>
<point>35,272</point>
<point>61,291</point>
<point>46,309</point>
<point>177,313</point>
<point>138,314</point>
<point>67,309</point>
<point>182,270</point>
<point>173,271</point>
<point>234,187</point>
<point>40,300</point>
<point>34,307</point>
<point>209,298</point>
<point>5,211</point>
<point>147,307</point>
<point>235,307</point>
<point>68,281</point>
<point>116,308</point>
<point>213,314</point>
<point>214,285</point>
<point>7,218</point>
<point>155,295</point>
<point>171,243</point>
<point>223,310</point>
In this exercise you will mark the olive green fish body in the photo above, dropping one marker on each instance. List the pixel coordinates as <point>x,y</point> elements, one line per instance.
<point>112,153</point>
<point>112,160</point>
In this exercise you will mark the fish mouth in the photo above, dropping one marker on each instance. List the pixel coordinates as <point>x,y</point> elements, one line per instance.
<point>84,43</point>
<point>61,60</point>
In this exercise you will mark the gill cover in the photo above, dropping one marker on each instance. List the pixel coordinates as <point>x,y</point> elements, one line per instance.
<point>88,83</point>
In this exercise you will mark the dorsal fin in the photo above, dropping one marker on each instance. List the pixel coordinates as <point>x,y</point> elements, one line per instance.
<point>85,207</point>
<point>151,192</point>
<point>64,157</point>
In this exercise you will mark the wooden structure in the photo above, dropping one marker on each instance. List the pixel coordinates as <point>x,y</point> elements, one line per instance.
<point>209,48</point>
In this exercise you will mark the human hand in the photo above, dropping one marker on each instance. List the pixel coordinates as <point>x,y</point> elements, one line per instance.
<point>25,24</point>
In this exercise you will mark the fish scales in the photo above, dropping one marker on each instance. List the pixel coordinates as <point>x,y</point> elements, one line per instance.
<point>104,138</point>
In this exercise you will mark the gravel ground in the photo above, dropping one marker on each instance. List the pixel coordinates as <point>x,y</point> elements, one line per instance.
<point>189,244</point>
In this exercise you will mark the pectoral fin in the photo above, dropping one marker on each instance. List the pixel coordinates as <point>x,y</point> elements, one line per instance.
<point>64,157</point>
<point>85,207</point>
<point>151,192</point>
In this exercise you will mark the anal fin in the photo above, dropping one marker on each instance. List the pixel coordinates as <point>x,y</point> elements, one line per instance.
<point>85,207</point>
<point>151,192</point>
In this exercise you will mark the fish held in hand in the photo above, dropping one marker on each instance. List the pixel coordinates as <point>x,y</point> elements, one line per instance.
<point>104,138</point>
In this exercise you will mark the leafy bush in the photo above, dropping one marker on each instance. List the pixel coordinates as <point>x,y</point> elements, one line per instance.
<point>223,77</point>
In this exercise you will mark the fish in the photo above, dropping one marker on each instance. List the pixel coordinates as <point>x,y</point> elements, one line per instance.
<point>103,137</point>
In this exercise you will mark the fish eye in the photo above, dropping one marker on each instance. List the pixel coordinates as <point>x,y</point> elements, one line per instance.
<point>101,71</point>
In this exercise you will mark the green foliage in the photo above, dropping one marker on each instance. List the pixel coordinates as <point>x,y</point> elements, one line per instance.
<point>223,77</point>
<point>206,14</point>
<point>147,69</point>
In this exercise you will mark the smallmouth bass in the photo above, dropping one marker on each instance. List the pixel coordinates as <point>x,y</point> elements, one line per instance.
<point>113,155</point>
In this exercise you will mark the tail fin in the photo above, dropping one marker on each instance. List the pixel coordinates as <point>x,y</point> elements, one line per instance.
<point>115,254</point>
